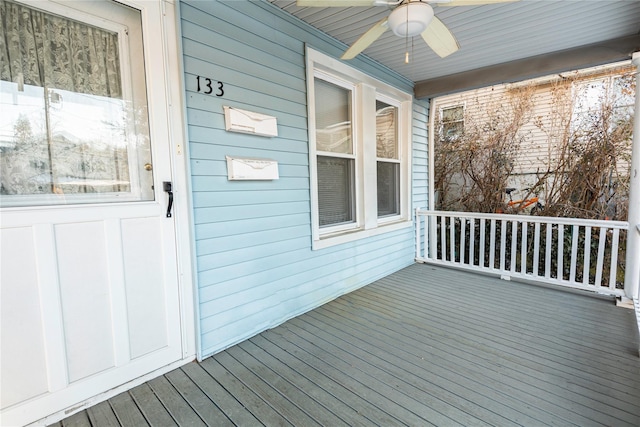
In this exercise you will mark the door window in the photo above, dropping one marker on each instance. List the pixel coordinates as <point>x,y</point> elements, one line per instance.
<point>74,123</point>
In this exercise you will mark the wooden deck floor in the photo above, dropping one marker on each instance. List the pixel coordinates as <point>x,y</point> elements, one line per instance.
<point>424,346</point>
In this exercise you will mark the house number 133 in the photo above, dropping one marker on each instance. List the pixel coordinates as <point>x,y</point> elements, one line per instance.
<point>205,85</point>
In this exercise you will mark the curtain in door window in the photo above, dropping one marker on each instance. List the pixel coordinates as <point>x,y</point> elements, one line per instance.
<point>65,122</point>
<point>41,49</point>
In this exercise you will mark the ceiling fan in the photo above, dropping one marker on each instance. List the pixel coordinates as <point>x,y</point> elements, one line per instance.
<point>408,19</point>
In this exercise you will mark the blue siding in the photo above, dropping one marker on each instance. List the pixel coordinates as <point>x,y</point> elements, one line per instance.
<point>420,167</point>
<point>255,266</point>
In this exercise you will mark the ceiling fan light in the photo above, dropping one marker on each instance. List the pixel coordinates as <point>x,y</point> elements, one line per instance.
<point>410,19</point>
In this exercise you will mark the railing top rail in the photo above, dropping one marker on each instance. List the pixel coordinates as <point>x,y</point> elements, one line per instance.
<point>623,225</point>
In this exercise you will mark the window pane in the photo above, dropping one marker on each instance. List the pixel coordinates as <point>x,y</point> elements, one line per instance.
<point>388,189</point>
<point>333,118</point>
<point>624,90</point>
<point>386,131</point>
<point>70,132</point>
<point>452,130</point>
<point>452,114</point>
<point>452,122</point>
<point>335,190</point>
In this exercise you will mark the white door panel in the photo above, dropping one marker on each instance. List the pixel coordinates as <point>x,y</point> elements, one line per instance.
<point>118,304</point>
<point>89,276</point>
<point>24,370</point>
<point>83,270</point>
<point>143,254</point>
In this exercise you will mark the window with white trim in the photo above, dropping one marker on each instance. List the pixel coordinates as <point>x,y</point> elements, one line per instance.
<point>593,98</point>
<point>451,122</point>
<point>387,161</point>
<point>359,133</point>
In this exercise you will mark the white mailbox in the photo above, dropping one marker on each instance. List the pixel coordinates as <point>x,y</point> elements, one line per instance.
<point>237,120</point>
<point>239,168</point>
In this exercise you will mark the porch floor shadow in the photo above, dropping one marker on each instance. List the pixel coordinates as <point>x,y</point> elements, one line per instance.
<point>424,346</point>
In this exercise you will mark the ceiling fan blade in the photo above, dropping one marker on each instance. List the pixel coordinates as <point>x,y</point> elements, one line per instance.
<point>471,2</point>
<point>334,3</point>
<point>440,39</point>
<point>366,39</point>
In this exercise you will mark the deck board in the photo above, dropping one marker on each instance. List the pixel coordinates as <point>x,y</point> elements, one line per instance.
<point>80,419</point>
<point>375,398</point>
<point>351,406</point>
<point>228,404</point>
<point>102,415</point>
<point>319,404</point>
<point>179,409</point>
<point>346,358</point>
<point>197,399</point>
<point>475,330</point>
<point>481,370</point>
<point>282,403</point>
<point>545,359</point>
<point>256,361</point>
<point>453,384</point>
<point>379,361</point>
<point>154,412</point>
<point>470,358</point>
<point>126,410</point>
<point>260,409</point>
<point>424,346</point>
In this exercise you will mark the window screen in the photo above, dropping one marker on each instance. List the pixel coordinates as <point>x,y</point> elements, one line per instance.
<point>335,190</point>
<point>388,166</point>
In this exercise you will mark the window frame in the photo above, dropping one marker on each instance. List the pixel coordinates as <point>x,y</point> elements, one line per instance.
<point>366,90</point>
<point>397,160</point>
<point>581,86</point>
<point>441,109</point>
<point>339,227</point>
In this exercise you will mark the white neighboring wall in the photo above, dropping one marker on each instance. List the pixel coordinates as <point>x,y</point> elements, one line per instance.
<point>535,153</point>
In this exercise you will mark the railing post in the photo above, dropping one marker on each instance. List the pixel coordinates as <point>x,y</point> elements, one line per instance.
<point>632,269</point>
<point>418,234</point>
<point>432,237</point>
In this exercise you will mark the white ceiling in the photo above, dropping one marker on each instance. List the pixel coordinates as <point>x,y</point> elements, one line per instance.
<point>488,34</point>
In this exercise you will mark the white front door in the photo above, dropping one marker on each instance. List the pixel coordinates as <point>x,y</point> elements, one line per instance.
<point>89,276</point>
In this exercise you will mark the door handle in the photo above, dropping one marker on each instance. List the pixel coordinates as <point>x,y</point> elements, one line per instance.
<point>166,186</point>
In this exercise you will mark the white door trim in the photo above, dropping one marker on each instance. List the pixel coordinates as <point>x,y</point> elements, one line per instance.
<point>177,123</point>
<point>171,62</point>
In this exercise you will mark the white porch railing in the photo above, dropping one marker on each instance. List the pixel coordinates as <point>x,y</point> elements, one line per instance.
<point>578,253</point>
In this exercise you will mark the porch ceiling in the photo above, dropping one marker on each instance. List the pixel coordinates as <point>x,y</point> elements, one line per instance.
<point>498,43</point>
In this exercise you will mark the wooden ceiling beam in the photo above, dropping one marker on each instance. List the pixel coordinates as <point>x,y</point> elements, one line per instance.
<point>537,66</point>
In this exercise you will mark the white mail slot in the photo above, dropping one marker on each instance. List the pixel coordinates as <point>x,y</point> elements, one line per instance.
<point>239,168</point>
<point>237,120</point>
